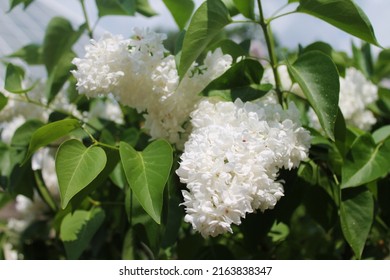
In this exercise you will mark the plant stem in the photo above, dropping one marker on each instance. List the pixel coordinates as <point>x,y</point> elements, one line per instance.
<point>89,29</point>
<point>271,50</point>
<point>281,15</point>
<point>45,106</point>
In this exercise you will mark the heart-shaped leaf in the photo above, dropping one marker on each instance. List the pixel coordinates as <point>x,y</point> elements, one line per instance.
<point>147,173</point>
<point>76,167</point>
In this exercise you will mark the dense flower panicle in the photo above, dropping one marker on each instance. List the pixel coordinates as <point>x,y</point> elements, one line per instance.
<point>101,69</point>
<point>176,100</point>
<point>356,93</point>
<point>140,75</point>
<point>232,159</point>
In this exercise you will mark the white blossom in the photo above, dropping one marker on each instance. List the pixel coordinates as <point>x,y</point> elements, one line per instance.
<point>232,158</point>
<point>166,118</point>
<point>140,75</point>
<point>120,66</point>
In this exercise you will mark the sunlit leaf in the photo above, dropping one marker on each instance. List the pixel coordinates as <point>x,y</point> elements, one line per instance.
<point>49,133</point>
<point>180,10</point>
<point>343,14</point>
<point>76,167</point>
<point>317,75</point>
<point>147,173</point>
<point>381,134</point>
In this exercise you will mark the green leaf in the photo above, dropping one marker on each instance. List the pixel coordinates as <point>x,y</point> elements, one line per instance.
<point>365,162</point>
<point>144,8</point>
<point>243,73</point>
<point>319,46</point>
<point>14,76</point>
<point>58,54</point>
<point>356,214</point>
<point>128,250</point>
<point>245,93</point>
<point>20,179</point>
<point>3,101</point>
<point>240,81</point>
<point>230,47</point>
<point>362,59</point>
<point>59,75</point>
<point>116,7</point>
<point>209,19</point>
<point>113,159</point>
<point>246,7</point>
<point>43,191</point>
<point>381,134</point>
<point>318,78</point>
<point>76,167</point>
<point>49,133</point>
<point>343,14</point>
<point>32,54</point>
<point>78,228</point>
<point>59,39</point>
<point>384,101</point>
<point>180,10</point>
<point>233,11</point>
<point>147,173</point>
<point>22,137</point>
<point>382,65</point>
<point>14,3</point>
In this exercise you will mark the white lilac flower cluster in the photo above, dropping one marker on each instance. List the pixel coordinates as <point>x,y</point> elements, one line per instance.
<point>356,93</point>
<point>139,73</point>
<point>232,159</point>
